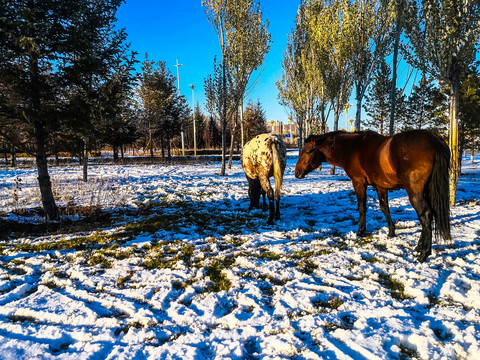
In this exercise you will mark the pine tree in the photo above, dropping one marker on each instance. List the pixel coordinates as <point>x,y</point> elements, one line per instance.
<point>255,120</point>
<point>164,109</point>
<point>43,44</point>
<point>377,100</point>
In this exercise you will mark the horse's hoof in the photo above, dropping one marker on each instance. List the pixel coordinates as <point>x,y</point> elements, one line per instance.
<point>362,233</point>
<point>270,222</point>
<point>391,234</point>
<point>422,258</point>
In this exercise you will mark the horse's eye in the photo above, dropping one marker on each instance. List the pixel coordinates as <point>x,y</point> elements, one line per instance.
<point>310,151</point>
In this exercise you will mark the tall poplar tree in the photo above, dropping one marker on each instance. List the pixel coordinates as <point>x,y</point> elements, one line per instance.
<point>244,41</point>
<point>370,42</point>
<point>248,43</point>
<point>444,37</point>
<point>299,87</point>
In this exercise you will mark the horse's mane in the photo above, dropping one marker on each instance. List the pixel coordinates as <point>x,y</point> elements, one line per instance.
<point>311,138</point>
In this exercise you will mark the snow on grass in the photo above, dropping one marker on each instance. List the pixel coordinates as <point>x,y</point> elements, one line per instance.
<point>180,269</point>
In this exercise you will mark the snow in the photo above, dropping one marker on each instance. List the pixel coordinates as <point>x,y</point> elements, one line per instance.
<point>303,288</point>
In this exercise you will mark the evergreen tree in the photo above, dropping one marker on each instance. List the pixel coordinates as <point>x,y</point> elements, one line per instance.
<point>164,110</point>
<point>255,120</point>
<point>43,44</point>
<point>420,107</point>
<point>377,100</point>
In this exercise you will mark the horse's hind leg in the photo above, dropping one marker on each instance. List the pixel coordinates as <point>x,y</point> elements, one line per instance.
<point>271,202</point>
<point>425,215</point>
<point>262,192</point>
<point>277,205</point>
<point>383,199</point>
<point>254,189</point>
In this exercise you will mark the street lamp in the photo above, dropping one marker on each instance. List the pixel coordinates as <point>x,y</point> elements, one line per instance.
<point>177,65</point>
<point>192,86</point>
<point>346,115</point>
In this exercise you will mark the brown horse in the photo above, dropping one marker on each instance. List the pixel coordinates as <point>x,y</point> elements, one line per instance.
<point>417,161</point>
<point>263,157</point>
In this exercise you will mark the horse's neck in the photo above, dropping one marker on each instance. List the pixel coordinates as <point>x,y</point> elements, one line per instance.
<point>339,152</point>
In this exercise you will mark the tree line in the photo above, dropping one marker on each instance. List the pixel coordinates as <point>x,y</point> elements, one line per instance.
<point>68,84</point>
<point>68,81</point>
<point>341,49</point>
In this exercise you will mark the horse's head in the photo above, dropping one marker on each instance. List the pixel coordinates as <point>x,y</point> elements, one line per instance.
<point>309,159</point>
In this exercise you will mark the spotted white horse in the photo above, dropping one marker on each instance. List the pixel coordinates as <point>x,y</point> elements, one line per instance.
<point>263,157</point>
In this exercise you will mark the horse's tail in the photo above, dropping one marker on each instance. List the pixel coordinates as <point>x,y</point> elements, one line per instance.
<point>438,189</point>
<point>277,168</point>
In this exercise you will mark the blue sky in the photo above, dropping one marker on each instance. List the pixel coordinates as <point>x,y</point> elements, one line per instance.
<point>168,30</point>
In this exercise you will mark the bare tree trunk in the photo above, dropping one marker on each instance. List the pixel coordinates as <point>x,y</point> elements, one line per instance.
<point>472,151</point>
<point>393,90</point>
<point>454,148</point>
<point>14,157</point>
<point>336,117</point>
<point>224,119</point>
<point>85,160</point>
<point>358,115</point>
<point>115,153</point>
<point>48,201</point>
<point>232,142</point>
<point>242,124</point>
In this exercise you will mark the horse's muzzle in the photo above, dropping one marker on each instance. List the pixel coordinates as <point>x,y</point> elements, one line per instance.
<point>299,174</point>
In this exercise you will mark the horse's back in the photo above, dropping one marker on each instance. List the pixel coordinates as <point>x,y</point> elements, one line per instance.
<point>414,154</point>
<point>257,157</point>
<point>405,158</point>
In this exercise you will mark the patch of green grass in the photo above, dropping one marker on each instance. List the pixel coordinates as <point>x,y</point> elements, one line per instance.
<point>236,241</point>
<point>397,289</point>
<point>307,266</point>
<point>103,256</point>
<point>219,279</point>
<point>122,280</point>
<point>168,222</point>
<point>300,254</point>
<point>166,255</point>
<point>370,259</point>
<point>267,254</point>
<point>79,243</point>
<point>99,258</point>
<point>365,240</point>
<point>332,303</point>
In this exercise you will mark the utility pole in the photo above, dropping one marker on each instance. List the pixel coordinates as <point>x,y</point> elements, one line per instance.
<point>192,86</point>
<point>177,65</point>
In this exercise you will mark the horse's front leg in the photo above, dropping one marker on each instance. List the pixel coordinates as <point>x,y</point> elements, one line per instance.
<point>271,202</point>
<point>383,199</point>
<point>361,192</point>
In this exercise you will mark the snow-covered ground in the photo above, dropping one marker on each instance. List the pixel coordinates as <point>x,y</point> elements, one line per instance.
<point>184,271</point>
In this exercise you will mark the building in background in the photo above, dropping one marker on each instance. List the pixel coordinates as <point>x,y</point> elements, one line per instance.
<point>288,132</point>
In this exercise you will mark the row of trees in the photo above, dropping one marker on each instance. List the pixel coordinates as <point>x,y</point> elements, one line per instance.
<point>244,41</point>
<point>68,84</point>
<point>338,47</point>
